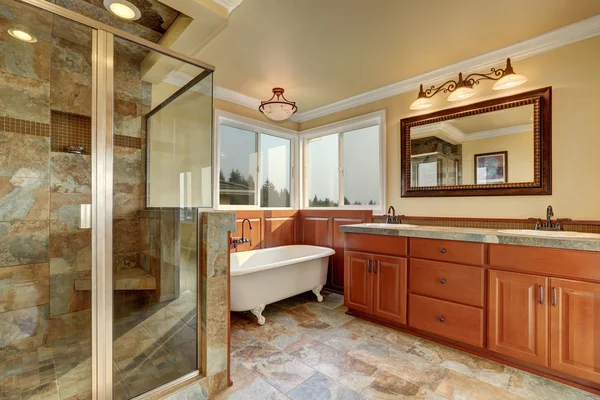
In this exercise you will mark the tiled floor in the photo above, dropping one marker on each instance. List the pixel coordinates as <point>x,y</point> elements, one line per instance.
<point>153,345</point>
<point>309,350</point>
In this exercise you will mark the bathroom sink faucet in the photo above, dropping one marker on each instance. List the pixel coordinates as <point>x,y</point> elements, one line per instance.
<point>547,225</point>
<point>392,219</point>
<point>243,239</point>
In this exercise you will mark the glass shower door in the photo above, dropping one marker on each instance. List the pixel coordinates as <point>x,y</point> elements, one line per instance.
<point>162,173</point>
<point>46,152</point>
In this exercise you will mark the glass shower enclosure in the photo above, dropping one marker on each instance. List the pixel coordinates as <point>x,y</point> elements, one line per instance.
<point>105,157</point>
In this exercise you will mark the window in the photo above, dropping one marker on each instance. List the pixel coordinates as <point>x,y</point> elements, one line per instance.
<point>344,164</point>
<point>254,163</point>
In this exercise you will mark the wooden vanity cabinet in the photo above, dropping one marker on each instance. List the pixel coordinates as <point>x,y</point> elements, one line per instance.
<point>575,328</point>
<point>518,316</point>
<point>376,285</point>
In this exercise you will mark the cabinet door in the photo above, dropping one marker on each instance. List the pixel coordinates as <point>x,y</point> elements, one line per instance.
<point>575,328</point>
<point>358,281</point>
<point>518,316</point>
<point>390,288</point>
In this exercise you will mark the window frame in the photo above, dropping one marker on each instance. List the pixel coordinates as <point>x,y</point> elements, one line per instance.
<point>248,124</point>
<point>352,124</point>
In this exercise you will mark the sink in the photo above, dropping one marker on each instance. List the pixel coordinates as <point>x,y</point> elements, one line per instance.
<point>388,226</point>
<point>557,234</point>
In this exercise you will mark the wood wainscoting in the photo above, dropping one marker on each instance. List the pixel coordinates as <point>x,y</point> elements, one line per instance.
<point>272,228</point>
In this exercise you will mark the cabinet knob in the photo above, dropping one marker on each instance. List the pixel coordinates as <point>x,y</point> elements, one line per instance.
<point>442,319</point>
<point>442,281</point>
<point>442,250</point>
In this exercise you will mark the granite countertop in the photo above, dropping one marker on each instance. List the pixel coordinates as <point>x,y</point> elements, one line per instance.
<point>476,235</point>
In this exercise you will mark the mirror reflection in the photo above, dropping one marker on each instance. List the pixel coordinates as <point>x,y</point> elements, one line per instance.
<point>489,148</point>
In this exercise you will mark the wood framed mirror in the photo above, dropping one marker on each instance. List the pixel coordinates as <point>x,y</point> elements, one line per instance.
<point>497,147</point>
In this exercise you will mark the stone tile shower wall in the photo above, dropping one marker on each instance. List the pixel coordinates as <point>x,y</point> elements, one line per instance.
<point>42,249</point>
<point>45,105</point>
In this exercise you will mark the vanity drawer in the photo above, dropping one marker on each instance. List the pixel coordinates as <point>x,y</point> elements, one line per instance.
<point>454,321</point>
<point>454,282</point>
<point>448,250</point>
<point>377,244</point>
<point>572,264</point>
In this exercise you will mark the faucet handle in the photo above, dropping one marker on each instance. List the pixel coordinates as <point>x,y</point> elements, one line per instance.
<point>538,222</point>
<point>559,222</point>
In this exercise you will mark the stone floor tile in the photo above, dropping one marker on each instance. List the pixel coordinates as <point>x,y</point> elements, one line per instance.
<point>467,364</point>
<point>457,386</point>
<point>535,387</point>
<point>390,387</point>
<point>246,385</point>
<point>334,363</point>
<point>322,388</point>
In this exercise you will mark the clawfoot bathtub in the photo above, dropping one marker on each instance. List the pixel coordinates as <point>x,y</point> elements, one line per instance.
<point>261,277</point>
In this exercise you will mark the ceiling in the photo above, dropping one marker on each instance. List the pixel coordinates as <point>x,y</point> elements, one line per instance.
<point>326,51</point>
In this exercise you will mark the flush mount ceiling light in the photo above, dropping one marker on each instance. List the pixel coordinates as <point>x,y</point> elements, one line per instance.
<point>22,35</point>
<point>278,108</point>
<point>123,9</point>
<point>463,89</point>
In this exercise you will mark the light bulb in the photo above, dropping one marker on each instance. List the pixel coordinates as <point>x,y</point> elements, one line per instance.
<point>461,93</point>
<point>123,9</point>
<point>22,35</point>
<point>509,81</point>
<point>421,103</point>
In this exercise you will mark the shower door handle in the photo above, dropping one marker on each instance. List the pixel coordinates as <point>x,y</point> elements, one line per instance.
<point>85,216</point>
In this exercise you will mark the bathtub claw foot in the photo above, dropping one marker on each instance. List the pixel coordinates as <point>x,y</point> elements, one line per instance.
<point>317,292</point>
<point>258,312</point>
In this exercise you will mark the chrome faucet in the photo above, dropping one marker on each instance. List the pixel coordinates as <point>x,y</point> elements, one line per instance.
<point>243,239</point>
<point>547,225</point>
<point>393,219</point>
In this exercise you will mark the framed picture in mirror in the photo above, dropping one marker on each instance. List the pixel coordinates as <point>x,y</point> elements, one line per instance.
<point>491,168</point>
<point>464,151</point>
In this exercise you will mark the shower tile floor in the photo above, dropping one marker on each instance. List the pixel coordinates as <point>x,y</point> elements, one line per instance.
<point>309,350</point>
<point>153,345</point>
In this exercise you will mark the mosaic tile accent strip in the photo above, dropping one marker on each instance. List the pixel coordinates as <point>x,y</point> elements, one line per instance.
<point>485,224</point>
<point>70,130</point>
<point>128,141</point>
<point>24,127</point>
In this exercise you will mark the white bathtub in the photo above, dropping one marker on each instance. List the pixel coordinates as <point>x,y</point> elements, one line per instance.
<point>261,277</point>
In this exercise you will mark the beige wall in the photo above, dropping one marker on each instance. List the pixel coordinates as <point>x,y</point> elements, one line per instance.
<point>572,71</point>
<point>520,155</point>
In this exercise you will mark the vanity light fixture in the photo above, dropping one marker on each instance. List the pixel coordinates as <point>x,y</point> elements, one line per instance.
<point>278,108</point>
<point>463,89</point>
<point>123,9</point>
<point>22,35</point>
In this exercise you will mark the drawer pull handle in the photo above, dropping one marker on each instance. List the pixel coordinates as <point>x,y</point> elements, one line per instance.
<point>554,297</point>
<point>442,319</point>
<point>369,266</point>
<point>374,267</point>
<point>442,250</point>
<point>442,281</point>
<point>541,294</point>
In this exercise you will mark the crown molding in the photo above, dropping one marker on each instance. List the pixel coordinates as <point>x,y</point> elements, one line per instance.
<point>230,5</point>
<point>456,136</point>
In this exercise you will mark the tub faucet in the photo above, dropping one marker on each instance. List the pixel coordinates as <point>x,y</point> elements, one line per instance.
<point>243,239</point>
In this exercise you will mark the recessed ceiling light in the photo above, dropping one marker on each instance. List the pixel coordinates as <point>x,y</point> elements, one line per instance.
<point>22,35</point>
<point>123,9</point>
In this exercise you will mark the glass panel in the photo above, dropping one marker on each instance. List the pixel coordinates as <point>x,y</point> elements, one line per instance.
<point>322,172</point>
<point>45,205</point>
<point>167,104</point>
<point>238,156</point>
<point>276,161</point>
<point>361,167</point>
